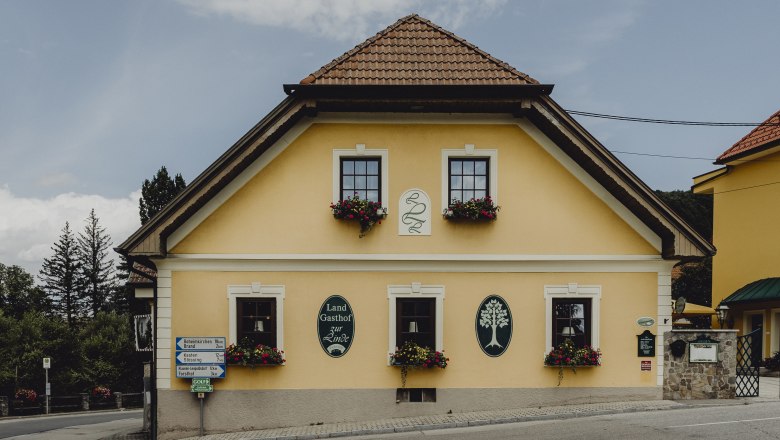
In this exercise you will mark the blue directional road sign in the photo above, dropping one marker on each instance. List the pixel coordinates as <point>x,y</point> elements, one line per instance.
<point>200,357</point>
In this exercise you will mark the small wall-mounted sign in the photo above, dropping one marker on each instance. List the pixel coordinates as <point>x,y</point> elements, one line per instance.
<point>703,350</point>
<point>336,326</point>
<point>494,325</point>
<point>645,321</point>
<point>645,344</point>
<point>414,213</point>
<point>647,366</point>
<point>678,348</point>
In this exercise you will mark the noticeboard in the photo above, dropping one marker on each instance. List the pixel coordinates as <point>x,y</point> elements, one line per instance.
<point>645,344</point>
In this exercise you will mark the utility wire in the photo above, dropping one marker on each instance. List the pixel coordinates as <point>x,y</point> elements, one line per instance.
<point>671,121</point>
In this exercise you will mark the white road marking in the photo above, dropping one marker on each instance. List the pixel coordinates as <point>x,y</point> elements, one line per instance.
<point>725,423</point>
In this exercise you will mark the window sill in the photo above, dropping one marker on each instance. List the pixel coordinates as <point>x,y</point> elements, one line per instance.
<point>256,365</point>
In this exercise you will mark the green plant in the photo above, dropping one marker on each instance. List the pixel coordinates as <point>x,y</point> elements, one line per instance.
<point>411,355</point>
<point>365,212</point>
<point>473,209</point>
<point>247,354</point>
<point>773,363</point>
<point>567,355</point>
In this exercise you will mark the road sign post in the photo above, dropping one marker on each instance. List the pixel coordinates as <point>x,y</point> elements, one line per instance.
<point>46,366</point>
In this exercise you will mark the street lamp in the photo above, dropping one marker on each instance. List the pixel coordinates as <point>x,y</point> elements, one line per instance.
<point>723,313</point>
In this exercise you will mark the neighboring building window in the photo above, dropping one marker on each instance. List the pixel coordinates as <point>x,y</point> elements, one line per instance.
<point>257,320</point>
<point>469,179</point>
<point>256,311</point>
<point>361,177</point>
<point>416,321</point>
<point>416,314</point>
<point>572,312</point>
<point>468,173</point>
<point>571,320</point>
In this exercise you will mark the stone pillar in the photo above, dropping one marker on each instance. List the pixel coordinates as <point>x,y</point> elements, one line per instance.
<point>684,380</point>
<point>84,401</point>
<point>3,406</point>
<point>118,399</point>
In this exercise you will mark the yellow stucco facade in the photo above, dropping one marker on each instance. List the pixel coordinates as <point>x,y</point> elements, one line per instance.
<point>745,219</point>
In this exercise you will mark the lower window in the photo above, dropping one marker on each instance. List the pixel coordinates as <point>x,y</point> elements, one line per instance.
<point>571,319</point>
<point>257,320</point>
<point>415,395</point>
<point>416,321</point>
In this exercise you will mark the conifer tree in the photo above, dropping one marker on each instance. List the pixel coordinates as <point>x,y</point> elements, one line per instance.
<point>97,267</point>
<point>62,279</point>
<point>158,192</point>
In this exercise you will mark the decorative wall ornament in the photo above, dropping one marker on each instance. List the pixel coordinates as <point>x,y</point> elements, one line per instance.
<point>494,325</point>
<point>414,213</point>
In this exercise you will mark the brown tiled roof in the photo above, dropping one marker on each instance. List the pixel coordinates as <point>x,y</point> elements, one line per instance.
<point>414,51</point>
<point>762,135</point>
<point>138,279</point>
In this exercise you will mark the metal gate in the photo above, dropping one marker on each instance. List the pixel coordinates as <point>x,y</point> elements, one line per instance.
<point>747,366</point>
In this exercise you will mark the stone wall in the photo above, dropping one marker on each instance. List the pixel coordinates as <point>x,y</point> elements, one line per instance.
<point>684,380</point>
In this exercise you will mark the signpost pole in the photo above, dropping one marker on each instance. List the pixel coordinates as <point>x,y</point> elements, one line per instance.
<point>46,366</point>
<point>201,398</point>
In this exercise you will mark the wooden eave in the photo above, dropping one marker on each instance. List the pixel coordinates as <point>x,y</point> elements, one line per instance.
<point>679,240</point>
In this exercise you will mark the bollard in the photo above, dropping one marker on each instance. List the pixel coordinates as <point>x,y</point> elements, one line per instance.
<point>3,406</point>
<point>85,401</point>
<point>118,398</point>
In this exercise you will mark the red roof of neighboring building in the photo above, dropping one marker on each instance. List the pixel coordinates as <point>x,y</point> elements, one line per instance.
<point>414,51</point>
<point>762,135</point>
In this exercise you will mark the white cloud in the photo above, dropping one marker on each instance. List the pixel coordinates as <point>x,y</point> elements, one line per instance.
<point>30,226</point>
<point>340,19</point>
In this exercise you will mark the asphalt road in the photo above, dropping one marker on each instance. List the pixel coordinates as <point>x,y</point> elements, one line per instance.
<point>39,426</point>
<point>754,421</point>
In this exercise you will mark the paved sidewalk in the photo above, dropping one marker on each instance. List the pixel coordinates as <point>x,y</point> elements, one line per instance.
<point>424,423</point>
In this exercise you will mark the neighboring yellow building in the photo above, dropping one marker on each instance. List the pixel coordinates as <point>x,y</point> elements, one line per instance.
<point>412,118</point>
<point>746,269</point>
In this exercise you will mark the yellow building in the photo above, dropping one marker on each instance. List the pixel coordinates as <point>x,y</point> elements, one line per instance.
<point>412,119</point>
<point>746,269</point>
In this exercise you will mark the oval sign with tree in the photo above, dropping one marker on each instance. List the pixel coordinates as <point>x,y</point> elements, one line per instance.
<point>494,325</point>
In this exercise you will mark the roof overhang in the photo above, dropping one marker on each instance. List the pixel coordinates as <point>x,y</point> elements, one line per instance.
<point>767,289</point>
<point>751,154</point>
<point>418,91</point>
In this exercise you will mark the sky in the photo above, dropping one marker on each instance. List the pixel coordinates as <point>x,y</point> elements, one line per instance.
<point>95,96</point>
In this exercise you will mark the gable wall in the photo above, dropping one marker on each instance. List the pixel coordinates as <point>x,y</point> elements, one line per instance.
<point>544,209</point>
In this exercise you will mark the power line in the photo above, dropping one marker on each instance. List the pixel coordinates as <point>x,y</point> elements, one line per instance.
<point>744,188</point>
<point>672,121</point>
<point>709,159</point>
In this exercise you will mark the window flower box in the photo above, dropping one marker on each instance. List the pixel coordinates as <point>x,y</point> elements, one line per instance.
<point>482,209</point>
<point>365,212</point>
<point>567,355</point>
<point>248,355</point>
<point>411,355</point>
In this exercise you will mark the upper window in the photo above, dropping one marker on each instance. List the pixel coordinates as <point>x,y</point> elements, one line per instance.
<point>468,173</point>
<point>469,179</point>
<point>571,320</point>
<point>257,320</point>
<point>361,177</point>
<point>416,321</point>
<point>360,171</point>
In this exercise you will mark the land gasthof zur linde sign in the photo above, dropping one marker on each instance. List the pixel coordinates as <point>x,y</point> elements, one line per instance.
<point>335,326</point>
<point>494,325</point>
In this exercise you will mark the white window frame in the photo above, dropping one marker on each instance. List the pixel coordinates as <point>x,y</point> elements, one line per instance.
<point>258,291</point>
<point>358,151</point>
<point>415,290</point>
<point>468,152</point>
<point>573,291</point>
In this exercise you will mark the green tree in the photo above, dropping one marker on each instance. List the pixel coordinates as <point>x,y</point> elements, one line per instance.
<point>158,192</point>
<point>695,209</point>
<point>96,266</point>
<point>62,279</point>
<point>18,292</point>
<point>108,347</point>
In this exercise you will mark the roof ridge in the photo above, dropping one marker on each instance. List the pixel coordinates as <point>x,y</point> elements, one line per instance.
<point>322,71</point>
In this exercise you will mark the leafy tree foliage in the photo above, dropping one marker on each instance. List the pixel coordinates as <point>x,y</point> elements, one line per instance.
<point>158,192</point>
<point>62,278</point>
<point>97,267</point>
<point>18,292</point>
<point>108,346</point>
<point>695,209</point>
